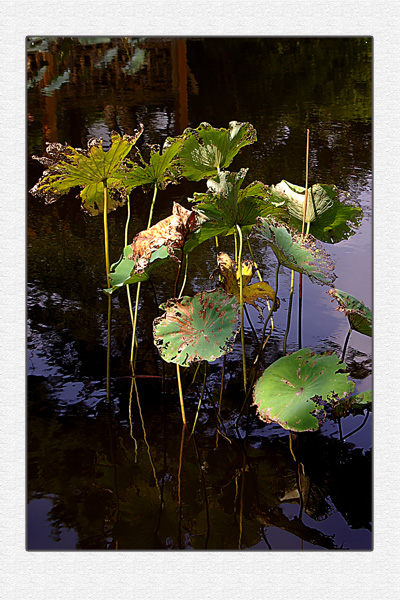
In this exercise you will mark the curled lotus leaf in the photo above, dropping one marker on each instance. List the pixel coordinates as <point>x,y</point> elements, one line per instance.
<point>255,293</point>
<point>302,254</point>
<point>226,205</point>
<point>207,150</point>
<point>359,315</point>
<point>152,246</point>
<point>332,216</point>
<point>69,167</point>
<point>292,391</point>
<point>202,327</point>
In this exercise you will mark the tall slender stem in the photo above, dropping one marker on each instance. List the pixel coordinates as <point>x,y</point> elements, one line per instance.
<point>260,278</point>
<point>139,283</point>
<point>178,374</point>
<point>306,189</point>
<point>289,312</point>
<point>185,275</point>
<point>105,225</point>
<point>239,263</point>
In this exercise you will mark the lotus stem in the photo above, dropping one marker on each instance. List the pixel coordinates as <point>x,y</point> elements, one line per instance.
<point>178,374</point>
<point>185,275</point>
<point>260,279</point>
<point>357,428</point>
<point>300,308</point>
<point>289,312</point>
<point>241,305</point>
<point>306,190</point>
<point>201,398</point>
<point>345,343</point>
<point>108,348</point>
<point>139,282</point>
<point>105,226</point>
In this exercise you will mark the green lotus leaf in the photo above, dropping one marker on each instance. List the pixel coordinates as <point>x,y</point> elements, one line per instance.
<point>123,271</point>
<point>208,150</point>
<point>68,167</point>
<point>226,205</point>
<point>332,219</point>
<point>161,169</point>
<point>356,404</point>
<point>359,316</point>
<point>292,390</point>
<point>202,327</point>
<point>304,255</point>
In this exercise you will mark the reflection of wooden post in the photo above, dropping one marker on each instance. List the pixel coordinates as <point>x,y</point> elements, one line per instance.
<point>50,114</point>
<point>179,84</point>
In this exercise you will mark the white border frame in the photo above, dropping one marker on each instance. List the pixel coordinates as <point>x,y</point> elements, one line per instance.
<point>97,575</point>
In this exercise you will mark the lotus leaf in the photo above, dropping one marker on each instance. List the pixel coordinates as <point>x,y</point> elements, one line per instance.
<point>292,390</point>
<point>359,316</point>
<point>252,293</point>
<point>225,205</point>
<point>331,219</point>
<point>68,167</point>
<point>153,245</point>
<point>304,255</point>
<point>208,150</point>
<point>161,169</point>
<point>197,328</point>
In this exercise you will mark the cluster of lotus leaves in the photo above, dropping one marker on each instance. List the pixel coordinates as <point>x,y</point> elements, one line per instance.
<point>292,391</point>
<point>359,315</point>
<point>302,254</point>
<point>192,329</point>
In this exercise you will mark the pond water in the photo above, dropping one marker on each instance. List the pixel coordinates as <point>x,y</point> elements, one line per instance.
<point>115,470</point>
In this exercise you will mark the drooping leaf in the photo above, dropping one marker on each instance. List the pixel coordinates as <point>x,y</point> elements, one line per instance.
<point>306,256</point>
<point>207,150</point>
<point>332,216</point>
<point>68,167</point>
<point>124,271</point>
<point>197,328</point>
<point>292,390</point>
<point>161,169</point>
<point>255,293</point>
<point>226,205</point>
<point>152,246</point>
<point>359,315</point>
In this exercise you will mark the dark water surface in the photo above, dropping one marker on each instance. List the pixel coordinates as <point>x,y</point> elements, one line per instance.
<point>118,473</point>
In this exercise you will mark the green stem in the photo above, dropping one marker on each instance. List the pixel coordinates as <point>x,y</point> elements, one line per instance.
<point>260,278</point>
<point>178,374</point>
<point>139,282</point>
<point>289,313</point>
<point>185,275</point>
<point>105,225</point>
<point>239,263</point>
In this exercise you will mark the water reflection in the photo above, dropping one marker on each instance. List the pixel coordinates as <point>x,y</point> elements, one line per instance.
<point>113,475</point>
